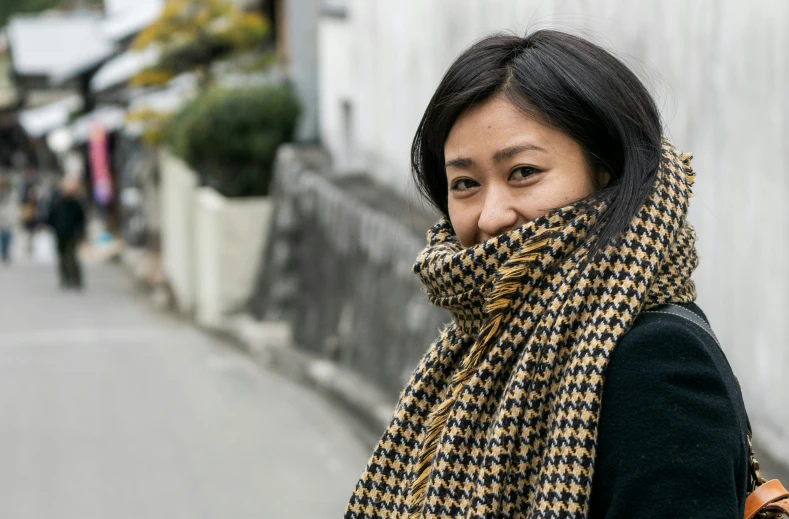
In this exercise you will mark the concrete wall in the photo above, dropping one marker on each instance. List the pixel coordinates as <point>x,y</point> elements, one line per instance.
<point>229,237</point>
<point>152,200</point>
<point>336,92</point>
<point>719,70</point>
<point>207,255</point>
<point>178,183</point>
<point>301,60</point>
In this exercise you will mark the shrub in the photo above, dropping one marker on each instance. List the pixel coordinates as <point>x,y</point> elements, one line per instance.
<point>231,136</point>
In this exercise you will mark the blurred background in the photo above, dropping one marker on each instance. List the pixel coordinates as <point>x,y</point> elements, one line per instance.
<point>208,225</point>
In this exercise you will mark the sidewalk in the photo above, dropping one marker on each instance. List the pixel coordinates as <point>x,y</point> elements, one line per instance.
<point>109,408</point>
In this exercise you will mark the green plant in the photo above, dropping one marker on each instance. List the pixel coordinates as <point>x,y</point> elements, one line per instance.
<point>231,136</point>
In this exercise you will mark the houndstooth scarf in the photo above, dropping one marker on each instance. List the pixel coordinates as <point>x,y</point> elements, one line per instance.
<point>500,417</point>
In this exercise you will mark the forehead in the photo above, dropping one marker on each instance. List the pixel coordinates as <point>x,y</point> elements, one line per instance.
<point>496,123</point>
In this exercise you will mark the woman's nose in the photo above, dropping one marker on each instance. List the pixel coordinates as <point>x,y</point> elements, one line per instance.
<point>498,214</point>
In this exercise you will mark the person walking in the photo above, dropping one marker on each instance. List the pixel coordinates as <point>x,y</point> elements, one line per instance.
<point>30,213</point>
<point>67,220</point>
<point>8,218</point>
<point>578,378</point>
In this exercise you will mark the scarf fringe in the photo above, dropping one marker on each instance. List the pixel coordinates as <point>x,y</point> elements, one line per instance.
<point>508,289</point>
<point>690,175</point>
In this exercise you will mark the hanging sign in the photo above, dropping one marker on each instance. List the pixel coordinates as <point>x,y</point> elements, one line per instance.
<point>100,164</point>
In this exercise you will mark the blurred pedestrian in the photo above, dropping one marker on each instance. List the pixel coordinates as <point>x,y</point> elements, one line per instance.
<point>8,218</point>
<point>30,213</point>
<point>578,379</point>
<point>67,219</point>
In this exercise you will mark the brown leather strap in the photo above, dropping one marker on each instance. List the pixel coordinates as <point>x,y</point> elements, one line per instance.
<point>772,494</point>
<point>781,506</point>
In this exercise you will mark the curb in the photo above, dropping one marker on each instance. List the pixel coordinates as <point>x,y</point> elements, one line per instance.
<point>271,344</point>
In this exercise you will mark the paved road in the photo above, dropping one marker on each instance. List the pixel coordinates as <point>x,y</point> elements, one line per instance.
<point>109,409</point>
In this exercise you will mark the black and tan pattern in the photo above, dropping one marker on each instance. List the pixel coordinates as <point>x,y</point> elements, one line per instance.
<point>500,417</point>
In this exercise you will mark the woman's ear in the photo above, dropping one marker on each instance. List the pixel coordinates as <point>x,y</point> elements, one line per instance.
<point>602,178</point>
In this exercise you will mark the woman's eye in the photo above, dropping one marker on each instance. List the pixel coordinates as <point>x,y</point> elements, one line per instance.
<point>522,173</point>
<point>463,184</point>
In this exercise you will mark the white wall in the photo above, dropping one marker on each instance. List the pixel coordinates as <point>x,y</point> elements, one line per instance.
<point>720,72</point>
<point>229,236</point>
<point>178,184</point>
<point>301,26</point>
<point>207,256</point>
<point>336,88</point>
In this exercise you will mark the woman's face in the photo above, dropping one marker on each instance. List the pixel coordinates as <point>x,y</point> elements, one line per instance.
<point>505,169</point>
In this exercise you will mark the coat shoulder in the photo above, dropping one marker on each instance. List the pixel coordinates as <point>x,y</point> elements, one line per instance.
<point>672,412</point>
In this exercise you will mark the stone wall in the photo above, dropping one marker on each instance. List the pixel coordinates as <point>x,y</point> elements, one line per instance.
<point>338,269</point>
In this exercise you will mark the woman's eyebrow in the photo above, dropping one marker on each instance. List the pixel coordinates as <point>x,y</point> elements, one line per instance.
<point>502,154</point>
<point>508,153</point>
<point>461,162</point>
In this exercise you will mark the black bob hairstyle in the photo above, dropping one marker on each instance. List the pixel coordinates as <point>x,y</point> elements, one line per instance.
<point>565,82</point>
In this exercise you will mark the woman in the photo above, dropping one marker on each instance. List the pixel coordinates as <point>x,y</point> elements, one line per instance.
<point>563,387</point>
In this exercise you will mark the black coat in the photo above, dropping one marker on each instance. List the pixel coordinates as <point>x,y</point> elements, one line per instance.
<point>67,218</point>
<point>672,439</point>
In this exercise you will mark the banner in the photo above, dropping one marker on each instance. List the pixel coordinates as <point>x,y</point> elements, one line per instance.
<point>100,164</point>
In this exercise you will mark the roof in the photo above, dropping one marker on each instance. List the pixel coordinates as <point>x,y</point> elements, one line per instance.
<point>127,17</point>
<point>122,68</point>
<point>39,121</point>
<point>58,45</point>
<point>120,7</point>
<point>167,100</point>
<point>111,118</point>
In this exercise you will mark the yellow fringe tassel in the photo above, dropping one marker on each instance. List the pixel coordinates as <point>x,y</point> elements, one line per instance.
<point>501,299</point>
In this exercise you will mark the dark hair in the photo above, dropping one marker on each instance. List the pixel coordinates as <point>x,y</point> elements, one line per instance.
<point>567,83</point>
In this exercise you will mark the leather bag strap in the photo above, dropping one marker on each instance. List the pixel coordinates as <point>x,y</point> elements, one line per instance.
<point>777,508</point>
<point>688,315</point>
<point>770,497</point>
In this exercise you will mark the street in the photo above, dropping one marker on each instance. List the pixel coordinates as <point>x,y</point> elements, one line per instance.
<point>111,409</point>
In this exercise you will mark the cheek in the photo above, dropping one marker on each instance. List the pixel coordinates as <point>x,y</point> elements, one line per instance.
<point>553,193</point>
<point>464,216</point>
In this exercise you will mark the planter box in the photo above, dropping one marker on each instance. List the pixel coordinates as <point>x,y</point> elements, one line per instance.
<point>229,235</point>
<point>211,245</point>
